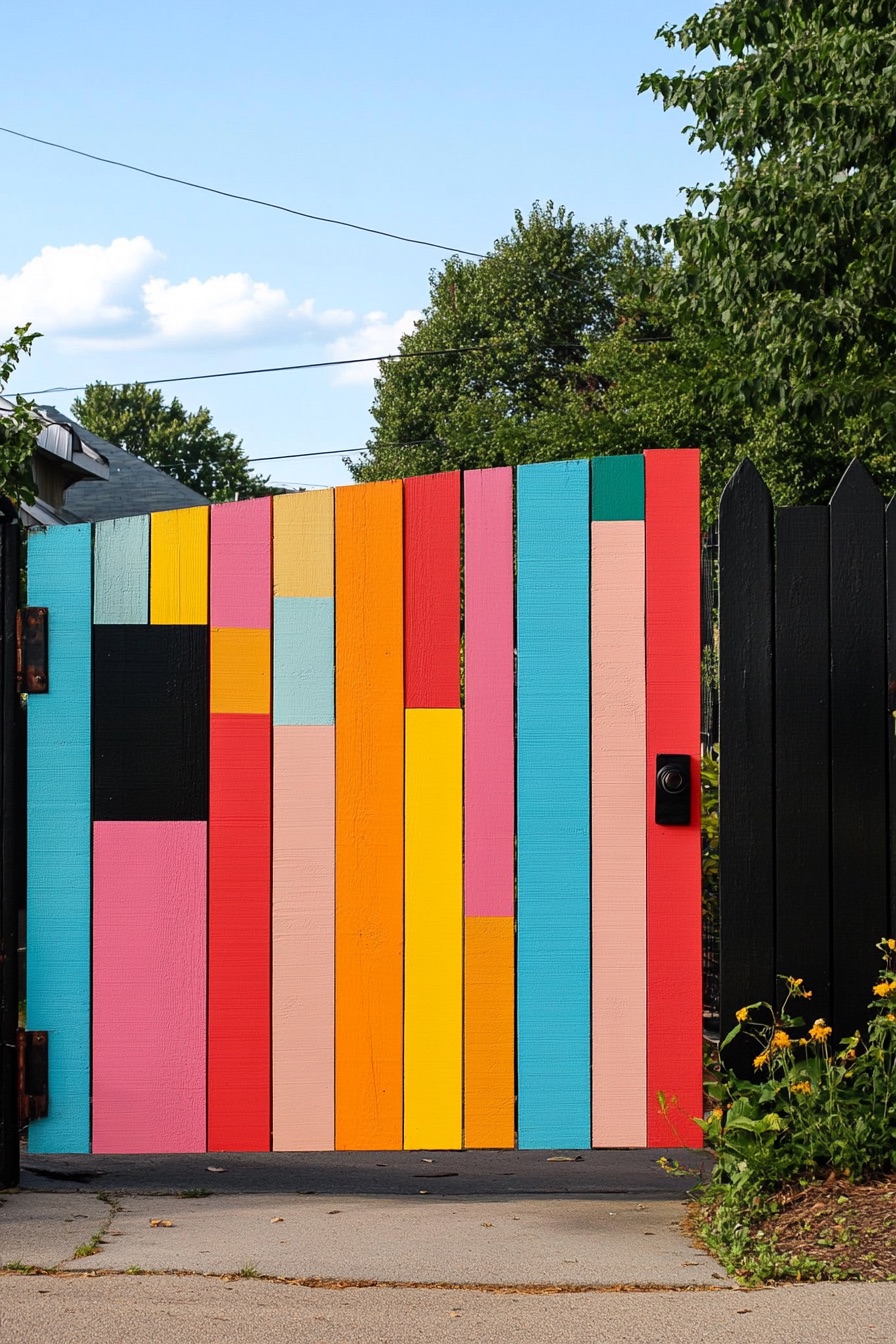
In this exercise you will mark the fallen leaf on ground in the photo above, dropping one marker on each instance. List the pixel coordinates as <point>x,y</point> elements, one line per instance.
<point>486,1224</point>
<point>160,1222</point>
<point>216,1168</point>
<point>560,1159</point>
<point>276,1220</point>
<point>427,1159</point>
<point>454,1313</point>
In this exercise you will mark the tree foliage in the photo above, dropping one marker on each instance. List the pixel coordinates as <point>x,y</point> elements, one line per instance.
<point>793,254</point>
<point>19,426</point>
<point>184,444</point>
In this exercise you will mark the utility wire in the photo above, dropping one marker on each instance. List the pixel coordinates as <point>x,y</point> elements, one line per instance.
<point>279,368</point>
<point>346,452</point>
<point>236,196</point>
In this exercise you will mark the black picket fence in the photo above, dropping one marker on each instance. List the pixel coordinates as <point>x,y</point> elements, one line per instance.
<point>807,668</point>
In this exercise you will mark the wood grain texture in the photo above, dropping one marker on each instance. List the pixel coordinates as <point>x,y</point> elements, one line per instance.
<point>802,751</point>
<point>746,741</point>
<point>239,934</point>
<point>553,790</point>
<point>303,544</point>
<point>241,671</point>
<point>617,488</point>
<point>149,986</point>
<point>59,842</point>
<point>859,878</point>
<point>178,567</point>
<point>369,815</point>
<point>618,834</point>
<point>303,934</point>
<point>432,591</point>
<point>433,928</point>
<point>890,525</point>
<point>674,943</point>
<point>304,657</point>
<point>240,582</point>
<point>489,710</point>
<point>489,1032</point>
<point>150,723</point>
<point>121,571</point>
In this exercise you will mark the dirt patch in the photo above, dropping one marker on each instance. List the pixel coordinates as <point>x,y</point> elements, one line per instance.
<point>850,1228</point>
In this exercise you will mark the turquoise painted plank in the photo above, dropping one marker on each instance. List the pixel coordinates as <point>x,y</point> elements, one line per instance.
<point>58,985</point>
<point>617,488</point>
<point>553,802</point>
<point>304,660</point>
<point>121,571</point>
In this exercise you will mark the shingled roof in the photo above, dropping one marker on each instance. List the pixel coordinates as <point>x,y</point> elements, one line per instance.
<point>134,486</point>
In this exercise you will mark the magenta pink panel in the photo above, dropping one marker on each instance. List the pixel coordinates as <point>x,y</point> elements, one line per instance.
<point>149,986</point>
<point>241,565</point>
<point>488,692</point>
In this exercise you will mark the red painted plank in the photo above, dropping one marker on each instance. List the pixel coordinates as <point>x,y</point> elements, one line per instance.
<point>239,1002</point>
<point>432,591</point>
<point>674,961</point>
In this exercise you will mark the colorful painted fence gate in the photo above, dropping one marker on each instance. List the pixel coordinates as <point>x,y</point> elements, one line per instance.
<point>341,817</point>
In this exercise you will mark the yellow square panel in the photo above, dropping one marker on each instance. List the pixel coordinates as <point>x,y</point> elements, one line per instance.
<point>241,672</point>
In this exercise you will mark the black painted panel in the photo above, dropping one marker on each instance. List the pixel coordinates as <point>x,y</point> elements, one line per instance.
<point>802,751</point>
<point>746,752</point>
<point>859,841</point>
<point>150,723</point>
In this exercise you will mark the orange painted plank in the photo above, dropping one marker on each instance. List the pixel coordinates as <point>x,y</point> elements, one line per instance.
<point>369,815</point>
<point>489,1029</point>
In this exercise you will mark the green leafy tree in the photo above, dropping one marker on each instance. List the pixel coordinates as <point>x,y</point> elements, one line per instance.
<point>792,255</point>
<point>184,444</point>
<point>19,425</point>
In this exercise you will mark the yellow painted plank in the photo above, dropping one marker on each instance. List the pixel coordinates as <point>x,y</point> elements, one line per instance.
<point>178,562</point>
<point>489,1023</point>
<point>433,967</point>
<point>241,672</point>
<point>303,544</point>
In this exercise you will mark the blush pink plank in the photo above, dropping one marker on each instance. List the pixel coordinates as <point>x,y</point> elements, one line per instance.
<point>303,991</point>
<point>240,586</point>
<point>149,986</point>
<point>489,766</point>
<point>619,836</point>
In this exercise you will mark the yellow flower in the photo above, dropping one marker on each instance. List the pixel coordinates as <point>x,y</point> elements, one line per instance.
<point>760,1060</point>
<point>818,1031</point>
<point>781,1040</point>
<point>805,1087</point>
<point>741,1014</point>
<point>850,1054</point>
<point>891,1017</point>
<point>804,1040</point>
<point>807,993</point>
<point>717,1113</point>
<point>885,989</point>
<point>891,944</point>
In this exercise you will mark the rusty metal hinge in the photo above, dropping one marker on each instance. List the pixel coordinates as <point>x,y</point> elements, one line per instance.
<point>34,1074</point>
<point>32,651</point>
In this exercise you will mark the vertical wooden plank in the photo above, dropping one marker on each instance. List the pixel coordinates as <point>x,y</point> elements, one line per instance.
<point>891,700</point>
<point>303,892</point>
<point>12,836</point>
<point>239,932</point>
<point>121,571</point>
<point>859,879</point>
<point>674,943</point>
<point>178,567</point>
<point>802,751</point>
<point>746,752</point>
<point>489,811</point>
<point>369,815</point>
<point>618,805</point>
<point>433,936</point>
<point>432,591</point>
<point>58,957</point>
<point>553,789</point>
<point>149,948</point>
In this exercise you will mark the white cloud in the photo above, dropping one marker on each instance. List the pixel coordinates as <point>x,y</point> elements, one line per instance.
<point>223,308</point>
<point>85,288</point>
<point>376,336</point>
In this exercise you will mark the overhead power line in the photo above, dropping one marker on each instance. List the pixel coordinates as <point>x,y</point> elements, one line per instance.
<point>237,196</point>
<point>277,368</point>
<point>346,452</point>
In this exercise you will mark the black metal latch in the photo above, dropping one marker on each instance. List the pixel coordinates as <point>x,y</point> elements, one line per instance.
<point>673,791</point>
<point>32,651</point>
<point>34,1075</point>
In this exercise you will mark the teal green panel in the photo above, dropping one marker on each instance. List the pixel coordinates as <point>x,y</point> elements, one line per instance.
<point>617,488</point>
<point>121,571</point>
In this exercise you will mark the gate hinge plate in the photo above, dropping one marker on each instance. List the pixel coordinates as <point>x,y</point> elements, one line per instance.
<point>34,1074</point>
<point>32,651</point>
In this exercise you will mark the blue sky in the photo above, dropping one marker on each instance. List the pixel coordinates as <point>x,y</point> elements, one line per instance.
<point>421,119</point>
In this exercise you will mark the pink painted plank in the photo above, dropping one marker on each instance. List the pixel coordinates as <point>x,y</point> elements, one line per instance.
<point>304,911</point>
<point>619,836</point>
<point>149,986</point>
<point>240,584</point>
<point>489,749</point>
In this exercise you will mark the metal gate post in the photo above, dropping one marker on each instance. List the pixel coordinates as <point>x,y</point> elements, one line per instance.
<point>11,813</point>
